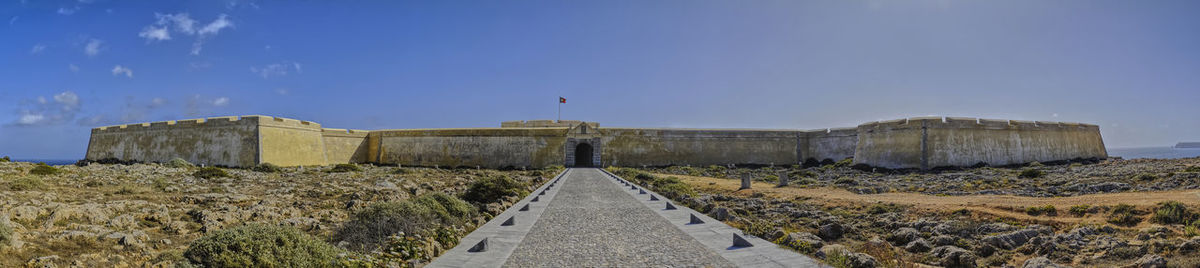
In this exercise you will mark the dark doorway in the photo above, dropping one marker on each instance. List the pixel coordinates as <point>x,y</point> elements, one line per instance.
<point>583,155</point>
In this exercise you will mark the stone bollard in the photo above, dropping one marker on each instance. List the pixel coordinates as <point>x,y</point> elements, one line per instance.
<point>783,178</point>
<point>745,181</point>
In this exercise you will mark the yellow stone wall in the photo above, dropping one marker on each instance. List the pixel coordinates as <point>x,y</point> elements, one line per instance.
<point>345,146</point>
<point>220,141</point>
<point>697,147</point>
<point>930,142</point>
<point>291,142</point>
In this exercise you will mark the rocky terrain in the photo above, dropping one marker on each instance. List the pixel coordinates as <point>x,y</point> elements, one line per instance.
<point>145,215</point>
<point>854,218</point>
<point>1035,179</point>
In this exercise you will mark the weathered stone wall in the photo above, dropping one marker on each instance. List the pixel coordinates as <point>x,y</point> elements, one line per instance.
<point>930,142</point>
<point>224,141</point>
<point>832,144</point>
<point>345,146</point>
<point>484,147</point>
<point>290,142</point>
<point>546,123</point>
<point>697,147</point>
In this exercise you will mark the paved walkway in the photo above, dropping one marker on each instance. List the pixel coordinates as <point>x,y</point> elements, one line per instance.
<point>588,218</point>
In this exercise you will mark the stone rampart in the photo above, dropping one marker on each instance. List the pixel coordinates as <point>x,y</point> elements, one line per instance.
<point>828,144</point>
<point>921,143</point>
<point>225,141</point>
<point>931,142</point>
<point>469,147</point>
<point>697,147</point>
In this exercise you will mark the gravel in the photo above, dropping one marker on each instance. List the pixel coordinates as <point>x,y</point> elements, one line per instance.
<point>593,223</point>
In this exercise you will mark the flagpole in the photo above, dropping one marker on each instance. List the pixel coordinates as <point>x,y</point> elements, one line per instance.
<point>559,110</point>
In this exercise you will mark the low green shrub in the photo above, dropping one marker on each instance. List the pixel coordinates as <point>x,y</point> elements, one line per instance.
<point>210,172</point>
<point>266,167</point>
<point>405,171</point>
<point>1049,210</point>
<point>1172,212</point>
<point>1079,210</point>
<point>5,159</point>
<point>43,169</point>
<point>339,168</point>
<point>178,163</point>
<point>672,187</point>
<point>1145,177</point>
<point>160,183</point>
<point>258,245</point>
<point>493,189</point>
<point>844,162</point>
<point>26,184</point>
<point>1030,173</point>
<point>1192,169</point>
<point>1124,215</point>
<point>370,227</point>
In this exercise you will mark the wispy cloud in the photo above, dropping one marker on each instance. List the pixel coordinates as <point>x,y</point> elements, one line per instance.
<point>93,47</point>
<point>135,110</point>
<point>38,48</point>
<point>68,11</point>
<point>200,105</point>
<point>73,68</point>
<point>119,70</point>
<point>222,101</point>
<point>277,69</point>
<point>13,20</point>
<point>183,23</point>
<point>60,108</point>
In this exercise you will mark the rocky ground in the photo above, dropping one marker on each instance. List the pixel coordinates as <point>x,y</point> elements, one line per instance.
<point>853,218</point>
<point>1109,176</point>
<point>146,214</point>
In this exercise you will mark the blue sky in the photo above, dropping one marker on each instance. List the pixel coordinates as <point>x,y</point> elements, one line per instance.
<point>67,66</point>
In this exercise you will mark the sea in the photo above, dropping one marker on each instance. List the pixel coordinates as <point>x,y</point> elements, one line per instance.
<point>1154,152</point>
<point>1165,152</point>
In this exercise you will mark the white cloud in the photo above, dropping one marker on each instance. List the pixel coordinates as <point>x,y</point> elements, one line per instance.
<point>157,102</point>
<point>118,70</point>
<point>13,20</point>
<point>222,101</point>
<point>38,48</point>
<point>67,11</point>
<point>73,68</point>
<point>1054,115</point>
<point>184,24</point>
<point>282,91</point>
<point>42,111</point>
<point>93,47</point>
<point>276,69</point>
<point>152,33</point>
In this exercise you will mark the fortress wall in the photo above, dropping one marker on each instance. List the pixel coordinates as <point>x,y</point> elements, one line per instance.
<point>697,147</point>
<point>469,147</point>
<point>290,142</point>
<point>833,144</point>
<point>224,141</point>
<point>345,146</point>
<point>930,142</point>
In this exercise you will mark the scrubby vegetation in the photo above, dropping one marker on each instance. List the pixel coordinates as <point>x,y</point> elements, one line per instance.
<point>494,189</point>
<point>1172,212</point>
<point>1079,210</point>
<point>1124,215</point>
<point>267,167</point>
<point>370,227</point>
<point>340,168</point>
<point>1048,210</point>
<point>1030,173</point>
<point>257,245</point>
<point>5,159</point>
<point>26,184</point>
<point>43,169</point>
<point>178,163</point>
<point>670,187</point>
<point>1146,177</point>
<point>210,172</point>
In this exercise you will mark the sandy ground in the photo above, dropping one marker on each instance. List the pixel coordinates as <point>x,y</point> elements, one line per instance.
<point>999,205</point>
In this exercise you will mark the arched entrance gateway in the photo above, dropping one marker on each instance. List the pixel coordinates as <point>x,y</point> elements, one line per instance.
<point>583,155</point>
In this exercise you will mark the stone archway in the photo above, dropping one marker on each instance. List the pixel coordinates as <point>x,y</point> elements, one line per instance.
<point>583,155</point>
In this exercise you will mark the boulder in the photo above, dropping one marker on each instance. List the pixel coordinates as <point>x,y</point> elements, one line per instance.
<point>942,240</point>
<point>1191,245</point>
<point>1151,261</point>
<point>1014,239</point>
<point>1039,262</point>
<point>831,231</point>
<point>804,238</point>
<point>952,256</point>
<point>903,235</point>
<point>918,246</point>
<point>720,213</point>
